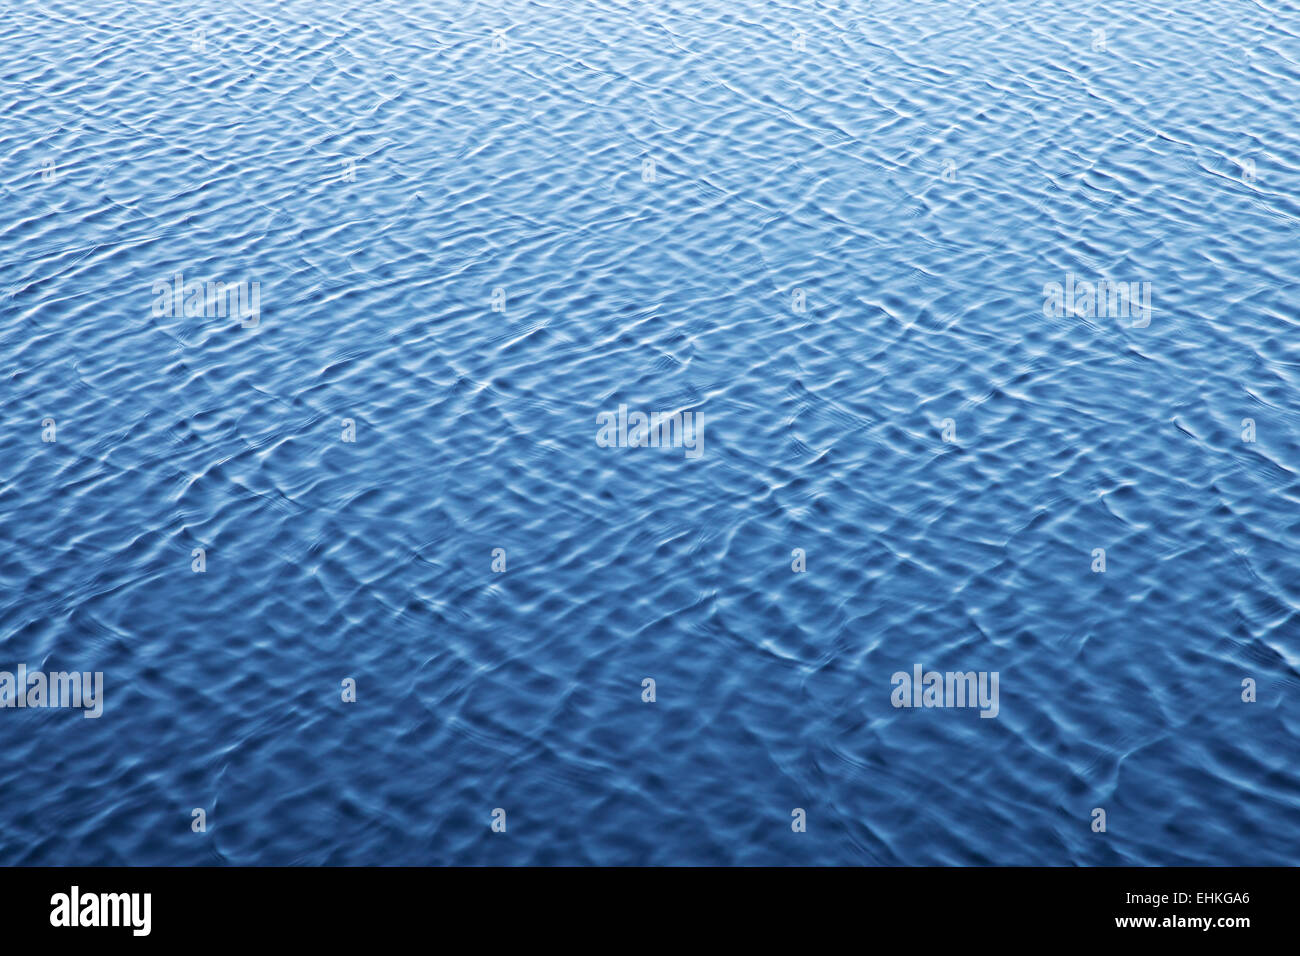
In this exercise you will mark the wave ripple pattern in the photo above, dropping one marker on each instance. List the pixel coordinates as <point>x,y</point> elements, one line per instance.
<point>326,330</point>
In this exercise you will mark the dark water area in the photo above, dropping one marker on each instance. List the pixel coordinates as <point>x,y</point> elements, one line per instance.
<point>839,238</point>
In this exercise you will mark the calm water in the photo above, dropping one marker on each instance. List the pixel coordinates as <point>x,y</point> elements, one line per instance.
<point>826,230</point>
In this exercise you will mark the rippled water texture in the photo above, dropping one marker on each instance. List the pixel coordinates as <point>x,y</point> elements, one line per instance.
<point>652,186</point>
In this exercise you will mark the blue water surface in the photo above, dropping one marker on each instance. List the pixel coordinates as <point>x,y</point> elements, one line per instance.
<point>825,229</point>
